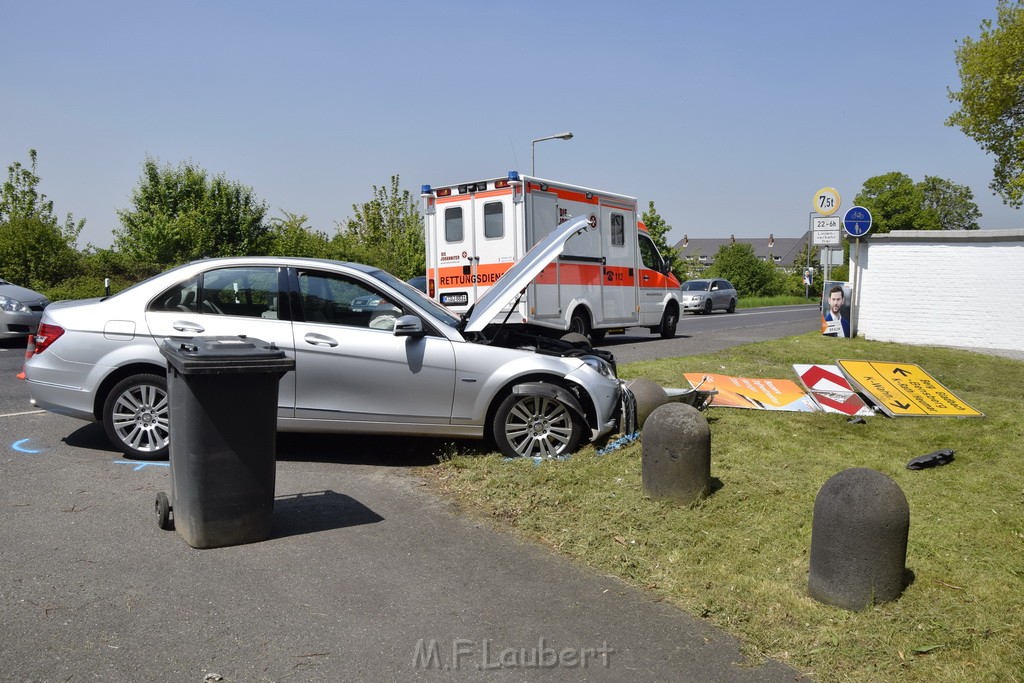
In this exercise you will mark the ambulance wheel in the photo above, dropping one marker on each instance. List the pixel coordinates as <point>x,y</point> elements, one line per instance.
<point>669,322</point>
<point>597,335</point>
<point>579,323</point>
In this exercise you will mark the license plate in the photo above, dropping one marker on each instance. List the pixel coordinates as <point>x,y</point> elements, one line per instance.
<point>455,299</point>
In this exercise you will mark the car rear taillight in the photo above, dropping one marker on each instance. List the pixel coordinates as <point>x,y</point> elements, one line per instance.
<point>46,335</point>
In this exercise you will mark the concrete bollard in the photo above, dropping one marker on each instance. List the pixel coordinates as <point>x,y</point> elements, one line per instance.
<point>858,540</point>
<point>676,454</point>
<point>649,395</point>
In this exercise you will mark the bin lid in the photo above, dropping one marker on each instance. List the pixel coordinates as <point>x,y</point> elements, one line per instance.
<point>223,354</point>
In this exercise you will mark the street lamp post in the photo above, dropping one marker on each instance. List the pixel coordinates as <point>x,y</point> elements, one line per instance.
<point>533,159</point>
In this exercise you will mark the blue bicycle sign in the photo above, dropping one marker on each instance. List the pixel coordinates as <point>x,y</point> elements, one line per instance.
<point>857,221</point>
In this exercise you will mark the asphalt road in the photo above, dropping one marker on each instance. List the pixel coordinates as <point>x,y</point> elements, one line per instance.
<point>709,333</point>
<point>366,576</point>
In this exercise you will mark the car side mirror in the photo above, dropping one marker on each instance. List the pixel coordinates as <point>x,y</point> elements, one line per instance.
<point>408,326</point>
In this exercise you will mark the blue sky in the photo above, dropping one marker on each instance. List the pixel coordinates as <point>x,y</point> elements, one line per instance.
<point>729,115</point>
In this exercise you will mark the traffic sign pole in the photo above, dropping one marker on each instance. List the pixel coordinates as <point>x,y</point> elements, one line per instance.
<point>857,224</point>
<point>824,231</point>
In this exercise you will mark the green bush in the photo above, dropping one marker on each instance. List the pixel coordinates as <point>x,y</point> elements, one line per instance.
<point>84,287</point>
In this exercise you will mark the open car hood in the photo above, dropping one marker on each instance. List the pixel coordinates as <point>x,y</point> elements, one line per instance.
<point>521,274</point>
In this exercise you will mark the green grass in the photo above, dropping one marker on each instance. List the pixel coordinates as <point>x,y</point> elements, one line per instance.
<point>739,558</point>
<point>759,301</point>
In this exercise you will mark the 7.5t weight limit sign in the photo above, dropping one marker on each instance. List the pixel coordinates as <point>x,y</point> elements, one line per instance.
<point>826,201</point>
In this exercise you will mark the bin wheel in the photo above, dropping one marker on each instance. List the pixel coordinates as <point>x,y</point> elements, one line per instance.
<point>163,512</point>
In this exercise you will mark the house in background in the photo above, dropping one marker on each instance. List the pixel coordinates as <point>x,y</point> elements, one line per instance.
<point>783,252</point>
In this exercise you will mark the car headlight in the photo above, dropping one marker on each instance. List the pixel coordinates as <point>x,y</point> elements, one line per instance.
<point>599,364</point>
<point>13,305</point>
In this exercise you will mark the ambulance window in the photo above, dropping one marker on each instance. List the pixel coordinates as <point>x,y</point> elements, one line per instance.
<point>453,224</point>
<point>494,220</point>
<point>618,230</point>
<point>649,253</point>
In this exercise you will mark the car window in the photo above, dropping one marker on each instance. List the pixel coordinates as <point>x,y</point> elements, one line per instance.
<point>181,297</point>
<point>335,299</point>
<point>246,291</point>
<point>250,291</point>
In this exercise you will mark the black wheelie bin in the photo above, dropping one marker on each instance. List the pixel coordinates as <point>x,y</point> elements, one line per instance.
<point>223,424</point>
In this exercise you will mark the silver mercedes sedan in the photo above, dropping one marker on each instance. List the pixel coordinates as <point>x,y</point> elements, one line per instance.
<point>372,355</point>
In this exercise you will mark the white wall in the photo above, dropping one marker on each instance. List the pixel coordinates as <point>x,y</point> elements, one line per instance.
<point>960,288</point>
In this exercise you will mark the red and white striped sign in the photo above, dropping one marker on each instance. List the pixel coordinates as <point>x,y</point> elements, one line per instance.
<point>831,390</point>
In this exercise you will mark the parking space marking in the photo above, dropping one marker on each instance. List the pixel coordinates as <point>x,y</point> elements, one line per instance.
<point>139,464</point>
<point>29,412</point>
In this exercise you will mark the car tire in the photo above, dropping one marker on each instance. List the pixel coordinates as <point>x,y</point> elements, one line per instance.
<point>669,322</point>
<point>135,416</point>
<point>732,306</point>
<point>526,425</point>
<point>597,335</point>
<point>708,307</point>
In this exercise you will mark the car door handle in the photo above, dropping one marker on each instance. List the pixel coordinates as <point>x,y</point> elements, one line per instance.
<point>186,326</point>
<point>320,340</point>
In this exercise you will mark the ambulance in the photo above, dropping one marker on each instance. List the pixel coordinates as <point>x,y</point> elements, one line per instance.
<point>608,278</point>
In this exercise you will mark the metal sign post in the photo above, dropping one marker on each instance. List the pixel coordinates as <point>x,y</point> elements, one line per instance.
<point>857,224</point>
<point>825,228</point>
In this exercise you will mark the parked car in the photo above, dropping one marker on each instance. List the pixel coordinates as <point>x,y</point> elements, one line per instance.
<point>419,282</point>
<point>20,310</point>
<point>426,373</point>
<point>705,296</point>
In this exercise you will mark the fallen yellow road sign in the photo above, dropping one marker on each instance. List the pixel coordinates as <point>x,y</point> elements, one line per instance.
<point>904,389</point>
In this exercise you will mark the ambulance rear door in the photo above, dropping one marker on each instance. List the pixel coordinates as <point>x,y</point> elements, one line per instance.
<point>475,244</point>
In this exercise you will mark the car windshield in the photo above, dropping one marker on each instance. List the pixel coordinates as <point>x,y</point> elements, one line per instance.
<point>696,286</point>
<point>440,312</point>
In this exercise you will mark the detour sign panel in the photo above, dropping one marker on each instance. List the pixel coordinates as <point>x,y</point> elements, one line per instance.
<point>904,389</point>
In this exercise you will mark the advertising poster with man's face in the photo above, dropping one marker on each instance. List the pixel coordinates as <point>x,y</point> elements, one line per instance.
<point>835,309</point>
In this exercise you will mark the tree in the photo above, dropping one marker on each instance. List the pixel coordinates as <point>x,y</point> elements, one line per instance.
<point>289,236</point>
<point>893,200</point>
<point>991,97</point>
<point>658,229</point>
<point>179,215</point>
<point>949,205</point>
<point>36,249</point>
<point>896,202</point>
<point>386,232</point>
<point>751,276</point>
